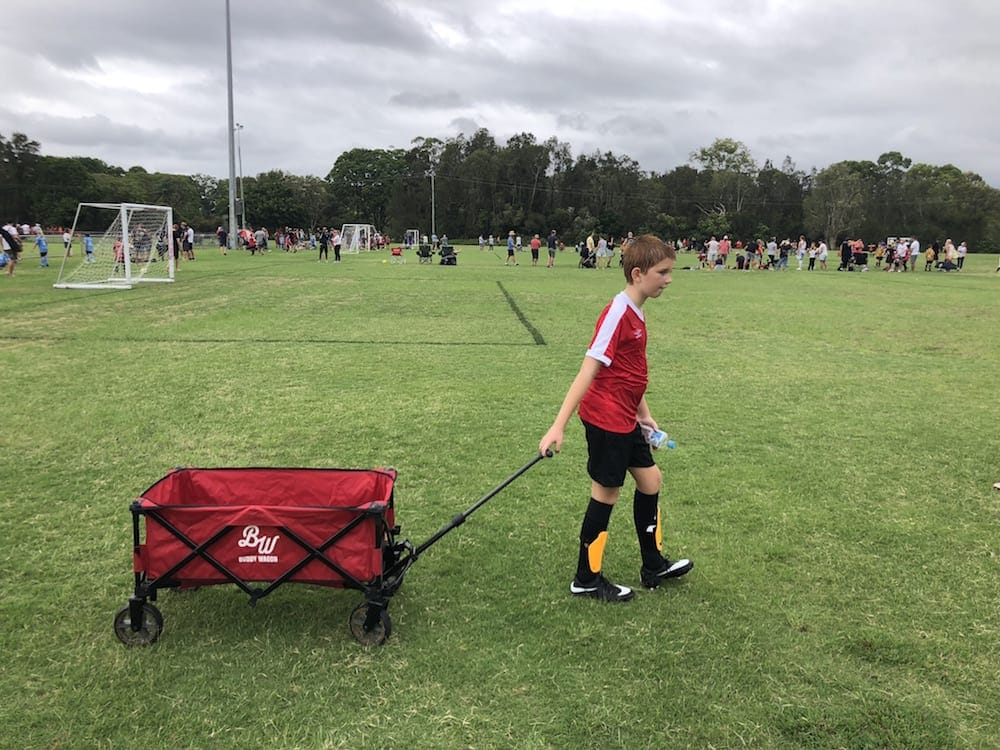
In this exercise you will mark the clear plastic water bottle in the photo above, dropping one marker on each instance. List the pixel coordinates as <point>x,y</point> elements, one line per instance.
<point>657,438</point>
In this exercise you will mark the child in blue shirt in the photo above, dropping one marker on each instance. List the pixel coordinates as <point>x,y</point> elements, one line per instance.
<point>88,246</point>
<point>43,250</point>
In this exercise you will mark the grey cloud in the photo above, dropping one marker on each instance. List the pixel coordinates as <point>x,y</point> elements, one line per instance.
<point>439,100</point>
<point>822,82</point>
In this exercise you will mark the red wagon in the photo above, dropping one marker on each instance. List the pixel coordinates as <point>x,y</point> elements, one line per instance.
<point>258,528</point>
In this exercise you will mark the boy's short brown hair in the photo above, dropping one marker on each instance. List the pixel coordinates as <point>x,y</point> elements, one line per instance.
<point>644,252</point>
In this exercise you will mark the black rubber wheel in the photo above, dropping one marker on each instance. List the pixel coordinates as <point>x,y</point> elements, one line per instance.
<point>149,630</point>
<point>377,633</point>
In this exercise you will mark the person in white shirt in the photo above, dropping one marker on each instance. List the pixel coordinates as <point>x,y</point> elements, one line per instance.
<point>961,252</point>
<point>899,260</point>
<point>713,251</point>
<point>914,252</point>
<point>12,248</point>
<point>67,241</point>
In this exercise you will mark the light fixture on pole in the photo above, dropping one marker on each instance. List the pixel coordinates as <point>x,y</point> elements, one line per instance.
<point>239,157</point>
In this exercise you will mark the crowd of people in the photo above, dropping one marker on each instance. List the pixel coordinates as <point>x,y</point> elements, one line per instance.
<point>901,254</point>
<point>296,239</point>
<point>898,254</point>
<point>597,250</point>
<point>14,236</point>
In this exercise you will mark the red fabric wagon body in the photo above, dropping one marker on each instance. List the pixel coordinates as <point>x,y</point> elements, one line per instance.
<point>320,526</point>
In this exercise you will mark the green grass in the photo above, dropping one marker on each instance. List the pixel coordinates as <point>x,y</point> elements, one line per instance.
<point>838,443</point>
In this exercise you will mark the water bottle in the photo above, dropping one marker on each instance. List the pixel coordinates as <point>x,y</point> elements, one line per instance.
<point>657,438</point>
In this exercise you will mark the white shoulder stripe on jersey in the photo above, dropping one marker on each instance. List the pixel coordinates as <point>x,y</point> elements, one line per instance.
<point>619,305</point>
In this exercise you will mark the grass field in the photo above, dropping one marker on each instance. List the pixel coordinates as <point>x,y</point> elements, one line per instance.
<point>837,446</point>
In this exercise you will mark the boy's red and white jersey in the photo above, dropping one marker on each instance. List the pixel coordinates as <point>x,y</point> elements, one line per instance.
<point>619,343</point>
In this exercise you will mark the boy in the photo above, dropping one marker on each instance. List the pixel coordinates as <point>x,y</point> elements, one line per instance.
<point>43,249</point>
<point>88,247</point>
<point>610,393</point>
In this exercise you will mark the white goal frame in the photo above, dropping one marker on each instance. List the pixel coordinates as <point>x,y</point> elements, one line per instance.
<point>131,262</point>
<point>412,237</point>
<point>357,237</point>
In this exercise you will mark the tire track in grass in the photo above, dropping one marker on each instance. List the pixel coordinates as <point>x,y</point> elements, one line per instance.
<point>535,333</point>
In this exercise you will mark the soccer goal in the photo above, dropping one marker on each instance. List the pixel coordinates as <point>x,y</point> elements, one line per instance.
<point>412,238</point>
<point>356,237</point>
<point>123,244</point>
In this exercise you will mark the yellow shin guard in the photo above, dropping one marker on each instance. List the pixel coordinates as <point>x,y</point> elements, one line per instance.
<point>595,552</point>
<point>659,533</point>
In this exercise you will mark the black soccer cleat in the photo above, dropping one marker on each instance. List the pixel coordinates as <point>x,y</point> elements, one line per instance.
<point>601,588</point>
<point>651,579</point>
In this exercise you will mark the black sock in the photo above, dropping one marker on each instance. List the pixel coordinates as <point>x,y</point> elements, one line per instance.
<point>595,522</point>
<point>645,510</point>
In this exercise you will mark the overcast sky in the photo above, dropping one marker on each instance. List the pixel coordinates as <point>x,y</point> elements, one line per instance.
<point>143,83</point>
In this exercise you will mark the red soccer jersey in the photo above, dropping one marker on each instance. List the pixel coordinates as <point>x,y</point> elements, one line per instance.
<point>619,343</point>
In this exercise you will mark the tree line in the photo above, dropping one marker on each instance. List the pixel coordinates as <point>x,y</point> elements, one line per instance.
<point>471,185</point>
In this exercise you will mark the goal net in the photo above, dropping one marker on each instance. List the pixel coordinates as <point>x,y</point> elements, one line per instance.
<point>412,237</point>
<point>356,237</point>
<point>121,244</point>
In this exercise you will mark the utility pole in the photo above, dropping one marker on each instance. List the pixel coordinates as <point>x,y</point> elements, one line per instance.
<point>239,157</point>
<point>433,221</point>
<point>233,229</point>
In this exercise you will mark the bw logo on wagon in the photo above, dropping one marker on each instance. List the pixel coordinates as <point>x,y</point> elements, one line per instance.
<point>263,544</point>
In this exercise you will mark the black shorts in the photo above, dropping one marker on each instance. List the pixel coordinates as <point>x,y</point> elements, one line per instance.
<point>611,454</point>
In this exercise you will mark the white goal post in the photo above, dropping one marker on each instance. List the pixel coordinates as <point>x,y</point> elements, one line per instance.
<point>120,244</point>
<point>357,237</point>
<point>412,238</point>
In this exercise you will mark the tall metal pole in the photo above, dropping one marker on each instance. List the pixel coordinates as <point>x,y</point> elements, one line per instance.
<point>433,222</point>
<point>239,158</point>
<point>232,155</point>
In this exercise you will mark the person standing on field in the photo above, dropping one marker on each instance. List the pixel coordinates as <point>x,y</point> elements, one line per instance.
<point>11,246</point>
<point>324,245</point>
<point>43,249</point>
<point>336,242</point>
<point>914,252</point>
<point>960,252</point>
<point>535,245</point>
<point>511,258</point>
<point>609,393</point>
<point>552,243</point>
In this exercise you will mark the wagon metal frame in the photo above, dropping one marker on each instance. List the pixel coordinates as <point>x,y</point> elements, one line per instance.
<point>192,525</point>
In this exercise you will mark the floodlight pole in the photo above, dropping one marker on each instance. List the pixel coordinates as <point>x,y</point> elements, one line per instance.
<point>232,156</point>
<point>239,157</point>
<point>433,223</point>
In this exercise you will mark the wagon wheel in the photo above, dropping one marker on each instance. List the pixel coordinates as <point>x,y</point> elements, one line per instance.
<point>149,629</point>
<point>370,625</point>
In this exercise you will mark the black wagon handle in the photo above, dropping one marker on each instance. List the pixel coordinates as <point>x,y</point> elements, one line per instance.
<point>460,518</point>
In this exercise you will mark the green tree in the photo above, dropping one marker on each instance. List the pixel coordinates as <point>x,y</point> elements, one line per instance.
<point>836,203</point>
<point>19,159</point>
<point>273,200</point>
<point>778,200</point>
<point>361,184</point>
<point>60,185</point>
<point>729,174</point>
